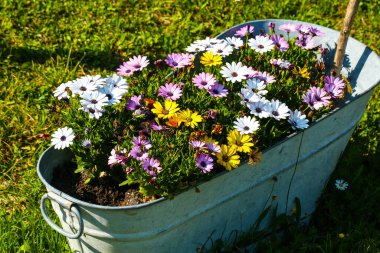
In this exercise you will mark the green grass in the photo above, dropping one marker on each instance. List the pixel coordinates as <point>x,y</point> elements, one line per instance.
<point>44,43</point>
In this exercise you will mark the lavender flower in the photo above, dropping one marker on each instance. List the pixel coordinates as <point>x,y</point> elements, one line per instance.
<point>197,144</point>
<point>170,91</point>
<point>204,80</point>
<point>280,43</point>
<point>152,166</point>
<point>334,86</point>
<point>177,61</point>
<point>138,154</point>
<point>142,142</point>
<point>117,157</point>
<point>204,162</point>
<point>316,98</point>
<point>281,63</point>
<point>244,31</point>
<point>218,90</point>
<point>134,104</point>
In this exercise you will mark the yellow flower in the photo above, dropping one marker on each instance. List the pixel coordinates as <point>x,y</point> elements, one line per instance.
<point>189,118</point>
<point>228,157</point>
<point>166,112</point>
<point>341,235</point>
<point>242,142</point>
<point>303,72</point>
<point>210,59</point>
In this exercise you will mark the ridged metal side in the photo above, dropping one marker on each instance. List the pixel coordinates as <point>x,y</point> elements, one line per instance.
<point>231,201</point>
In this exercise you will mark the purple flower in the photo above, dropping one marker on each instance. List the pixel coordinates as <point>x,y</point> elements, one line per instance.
<point>142,142</point>
<point>288,28</point>
<point>204,80</point>
<point>156,127</point>
<point>212,147</point>
<point>138,154</point>
<point>177,61</point>
<point>125,69</point>
<point>265,77</point>
<point>218,90</point>
<point>170,91</point>
<point>204,162</point>
<point>244,31</point>
<point>117,157</point>
<point>305,42</point>
<point>134,103</point>
<point>211,114</point>
<point>309,30</point>
<point>280,43</point>
<point>138,63</point>
<point>152,166</point>
<point>334,86</point>
<point>316,98</point>
<point>197,144</point>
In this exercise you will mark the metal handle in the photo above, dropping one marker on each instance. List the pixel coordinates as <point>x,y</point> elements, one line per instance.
<point>67,205</point>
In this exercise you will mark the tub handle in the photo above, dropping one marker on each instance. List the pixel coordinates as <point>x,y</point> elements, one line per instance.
<point>67,205</point>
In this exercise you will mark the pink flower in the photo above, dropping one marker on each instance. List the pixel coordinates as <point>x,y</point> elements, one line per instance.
<point>204,162</point>
<point>204,80</point>
<point>170,91</point>
<point>117,157</point>
<point>152,166</point>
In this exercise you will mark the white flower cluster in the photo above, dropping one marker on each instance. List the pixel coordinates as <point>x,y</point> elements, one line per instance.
<point>223,47</point>
<point>95,92</point>
<point>253,96</point>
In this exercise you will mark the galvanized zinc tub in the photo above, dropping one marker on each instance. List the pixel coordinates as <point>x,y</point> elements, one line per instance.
<point>231,201</point>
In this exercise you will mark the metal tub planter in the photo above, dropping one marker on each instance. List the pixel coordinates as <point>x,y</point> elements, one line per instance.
<point>230,201</point>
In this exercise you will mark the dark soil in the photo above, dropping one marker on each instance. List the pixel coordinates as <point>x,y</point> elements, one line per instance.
<point>102,192</point>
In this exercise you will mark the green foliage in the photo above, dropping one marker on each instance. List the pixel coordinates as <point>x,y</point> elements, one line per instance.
<point>44,43</point>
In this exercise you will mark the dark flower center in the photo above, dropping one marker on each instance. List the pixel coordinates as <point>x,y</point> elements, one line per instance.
<point>91,110</point>
<point>260,46</point>
<point>109,96</point>
<point>317,98</point>
<point>246,128</point>
<point>137,66</point>
<point>63,138</point>
<point>220,51</point>
<point>275,113</point>
<point>94,101</point>
<point>175,63</point>
<point>258,110</point>
<point>203,164</point>
<point>164,111</point>
<point>225,158</point>
<point>169,94</point>
<point>203,83</point>
<point>82,88</point>
<point>234,74</point>
<point>215,91</point>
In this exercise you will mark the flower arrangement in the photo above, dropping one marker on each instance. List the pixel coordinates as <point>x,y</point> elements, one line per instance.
<point>167,124</point>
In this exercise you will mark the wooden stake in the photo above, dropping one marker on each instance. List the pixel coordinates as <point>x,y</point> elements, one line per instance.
<point>344,34</point>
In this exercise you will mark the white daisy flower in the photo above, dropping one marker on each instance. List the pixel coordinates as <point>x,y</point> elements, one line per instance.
<point>248,96</point>
<point>278,110</point>
<point>261,44</point>
<point>93,113</point>
<point>341,185</point>
<point>235,42</point>
<point>222,49</point>
<point>246,125</point>
<point>234,72</point>
<point>194,48</point>
<point>260,109</point>
<point>117,82</point>
<point>62,90</point>
<point>257,86</point>
<point>86,143</point>
<point>207,42</point>
<point>113,94</point>
<point>94,100</point>
<point>82,85</point>
<point>62,138</point>
<point>298,120</point>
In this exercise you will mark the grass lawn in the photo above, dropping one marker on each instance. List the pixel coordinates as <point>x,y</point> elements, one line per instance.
<point>45,43</point>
